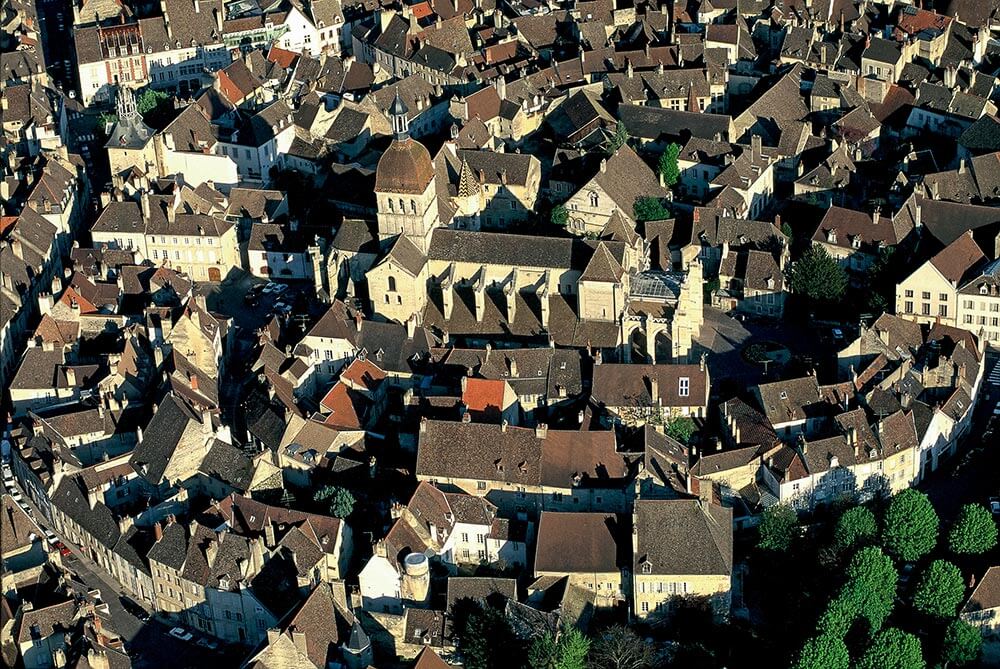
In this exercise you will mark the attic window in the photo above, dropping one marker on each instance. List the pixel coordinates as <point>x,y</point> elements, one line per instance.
<point>783,395</point>
<point>983,289</point>
<point>253,518</point>
<point>684,386</point>
<point>856,242</point>
<point>647,568</point>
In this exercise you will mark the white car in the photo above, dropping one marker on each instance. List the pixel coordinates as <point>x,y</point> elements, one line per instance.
<point>15,494</point>
<point>995,505</point>
<point>181,633</point>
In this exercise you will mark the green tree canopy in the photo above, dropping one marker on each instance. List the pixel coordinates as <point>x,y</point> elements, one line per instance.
<point>974,532</point>
<point>620,648</point>
<point>854,526</point>
<point>893,648</point>
<point>818,276</point>
<point>910,525</point>
<point>559,216</point>
<point>962,643</point>
<point>620,137</point>
<point>680,428</point>
<point>485,637</point>
<point>940,590</point>
<point>650,209</point>
<point>871,586</point>
<point>823,652</point>
<point>569,652</point>
<point>667,166</point>
<point>777,528</point>
<point>339,501</point>
<point>156,107</point>
<point>839,615</point>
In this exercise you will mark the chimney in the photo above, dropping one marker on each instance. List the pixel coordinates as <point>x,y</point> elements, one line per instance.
<point>197,6</point>
<point>218,20</point>
<point>503,425</point>
<point>70,376</point>
<point>654,389</point>
<point>541,430</point>
<point>211,550</point>
<point>206,422</point>
<point>157,531</point>
<point>144,203</point>
<point>604,165</point>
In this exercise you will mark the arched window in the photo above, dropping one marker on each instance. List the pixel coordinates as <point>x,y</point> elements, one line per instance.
<point>402,206</point>
<point>389,199</point>
<point>593,199</point>
<point>413,206</point>
<point>392,284</point>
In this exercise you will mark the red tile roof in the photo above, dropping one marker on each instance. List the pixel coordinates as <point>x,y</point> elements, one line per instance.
<point>484,395</point>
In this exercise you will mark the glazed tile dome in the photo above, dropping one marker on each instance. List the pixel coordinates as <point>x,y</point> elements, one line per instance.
<point>405,167</point>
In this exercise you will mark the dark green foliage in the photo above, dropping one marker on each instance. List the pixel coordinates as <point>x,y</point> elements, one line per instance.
<point>485,637</point>
<point>650,209</point>
<point>668,167</point>
<point>559,216</point>
<point>871,586</point>
<point>974,532</point>
<point>856,525</point>
<point>339,501</point>
<point>620,137</point>
<point>962,643</point>
<point>940,590</point>
<point>155,107</point>
<point>680,428</point>
<point>777,528</point>
<point>824,652</point>
<point>910,526</point>
<point>893,649</point>
<point>786,230</point>
<point>818,276</point>
<point>569,652</point>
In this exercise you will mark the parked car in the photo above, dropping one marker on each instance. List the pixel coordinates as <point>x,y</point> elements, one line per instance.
<point>181,633</point>
<point>995,505</point>
<point>205,642</point>
<point>63,549</point>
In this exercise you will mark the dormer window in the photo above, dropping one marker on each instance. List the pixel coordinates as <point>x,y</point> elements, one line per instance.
<point>684,386</point>
<point>783,395</point>
<point>647,568</point>
<point>856,241</point>
<point>983,289</point>
<point>831,236</point>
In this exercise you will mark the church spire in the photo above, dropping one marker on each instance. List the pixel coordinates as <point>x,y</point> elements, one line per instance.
<point>468,185</point>
<point>400,122</point>
<point>125,102</point>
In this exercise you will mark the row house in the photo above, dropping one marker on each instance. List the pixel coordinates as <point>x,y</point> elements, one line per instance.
<point>524,471</point>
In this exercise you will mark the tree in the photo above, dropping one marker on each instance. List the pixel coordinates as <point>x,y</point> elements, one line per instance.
<point>777,527</point>
<point>940,590</point>
<point>650,209</point>
<point>836,621</point>
<point>823,652</point>
<point>871,586</point>
<point>569,652</point>
<point>855,525</point>
<point>680,428</point>
<point>786,230</point>
<point>559,216</point>
<point>573,650</point>
<point>910,525</point>
<point>620,648</point>
<point>962,643</point>
<point>668,167</point>
<point>893,649</point>
<point>156,107</point>
<point>543,652</point>
<point>339,500</point>
<point>485,637</point>
<point>974,532</point>
<point>817,276</point>
<point>620,137</point>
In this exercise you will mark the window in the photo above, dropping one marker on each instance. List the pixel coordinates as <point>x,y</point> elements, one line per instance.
<point>925,309</point>
<point>465,537</point>
<point>594,199</point>
<point>943,297</point>
<point>909,307</point>
<point>481,485</point>
<point>943,310</point>
<point>645,607</point>
<point>684,386</point>
<point>389,200</point>
<point>926,295</point>
<point>392,284</point>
